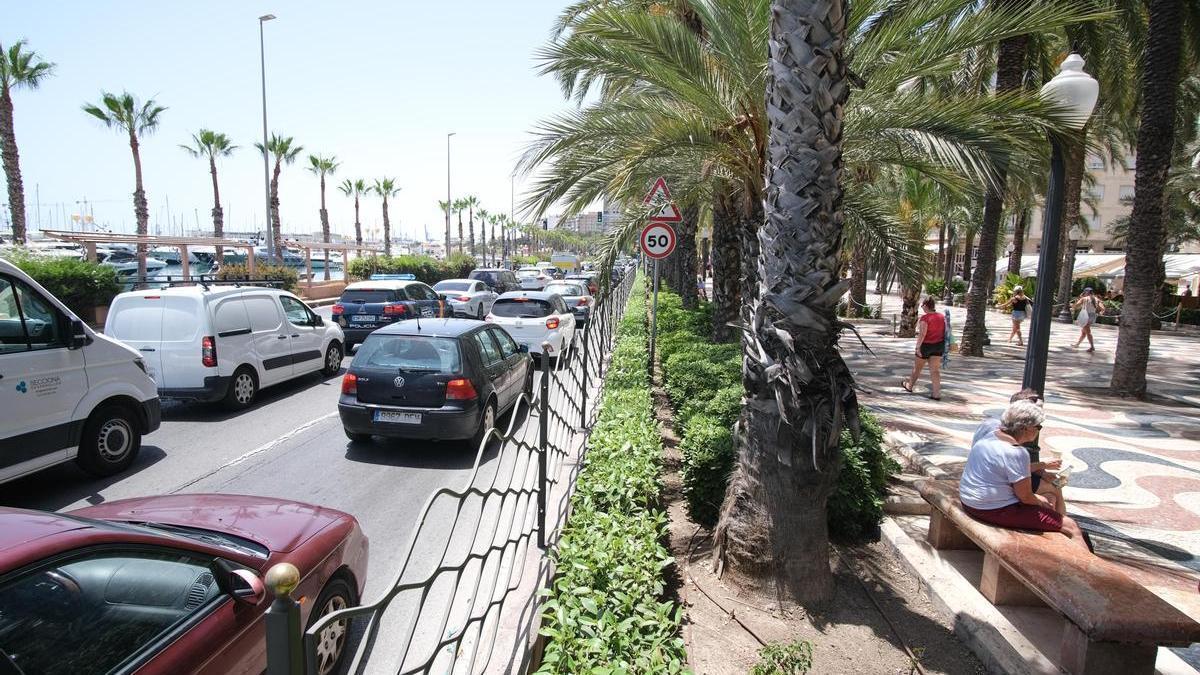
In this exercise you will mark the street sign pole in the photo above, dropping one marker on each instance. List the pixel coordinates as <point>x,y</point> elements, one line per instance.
<point>654,319</point>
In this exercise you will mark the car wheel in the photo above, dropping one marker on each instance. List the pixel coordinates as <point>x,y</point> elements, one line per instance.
<point>486,421</point>
<point>357,438</point>
<point>243,389</point>
<point>333,359</point>
<point>331,641</point>
<point>479,313</point>
<point>529,381</point>
<point>110,441</point>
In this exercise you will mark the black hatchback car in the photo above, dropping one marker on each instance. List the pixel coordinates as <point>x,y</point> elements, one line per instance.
<point>448,379</point>
<point>386,298</point>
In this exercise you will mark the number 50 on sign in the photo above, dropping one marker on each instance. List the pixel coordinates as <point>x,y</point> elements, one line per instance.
<point>658,240</point>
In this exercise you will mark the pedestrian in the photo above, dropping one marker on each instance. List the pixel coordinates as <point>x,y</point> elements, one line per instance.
<point>1037,468</point>
<point>1089,308</point>
<point>1021,306</point>
<point>931,335</point>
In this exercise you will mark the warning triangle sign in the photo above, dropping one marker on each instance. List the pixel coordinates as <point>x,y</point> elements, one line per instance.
<point>661,194</point>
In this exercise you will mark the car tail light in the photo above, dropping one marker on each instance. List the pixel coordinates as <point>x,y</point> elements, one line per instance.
<point>460,389</point>
<point>582,302</point>
<point>394,309</point>
<point>338,309</point>
<point>350,384</point>
<point>208,352</point>
<point>541,277</point>
<point>464,298</point>
<point>552,323</point>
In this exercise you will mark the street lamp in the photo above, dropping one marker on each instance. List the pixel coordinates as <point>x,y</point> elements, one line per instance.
<point>262,55</point>
<point>1076,92</point>
<point>447,255</point>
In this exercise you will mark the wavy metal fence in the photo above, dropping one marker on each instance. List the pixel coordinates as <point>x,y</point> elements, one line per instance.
<point>442,612</point>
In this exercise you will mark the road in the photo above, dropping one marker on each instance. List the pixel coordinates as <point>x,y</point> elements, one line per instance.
<point>289,445</point>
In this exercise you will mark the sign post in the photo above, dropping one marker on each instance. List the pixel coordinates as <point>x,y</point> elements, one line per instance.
<point>658,242</point>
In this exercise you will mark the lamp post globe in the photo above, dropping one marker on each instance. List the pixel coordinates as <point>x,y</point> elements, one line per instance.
<point>1074,90</point>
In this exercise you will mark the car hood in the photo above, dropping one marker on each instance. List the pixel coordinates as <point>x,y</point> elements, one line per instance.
<point>278,524</point>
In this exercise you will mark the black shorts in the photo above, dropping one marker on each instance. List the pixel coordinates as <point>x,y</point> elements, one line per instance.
<point>929,349</point>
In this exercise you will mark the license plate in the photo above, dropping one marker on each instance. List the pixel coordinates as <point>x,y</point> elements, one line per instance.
<point>362,318</point>
<point>426,311</point>
<point>397,417</point>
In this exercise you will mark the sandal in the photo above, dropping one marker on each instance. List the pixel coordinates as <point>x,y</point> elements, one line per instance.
<point>936,398</point>
<point>905,387</point>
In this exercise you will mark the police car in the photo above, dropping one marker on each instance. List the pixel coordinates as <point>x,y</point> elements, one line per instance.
<point>384,300</point>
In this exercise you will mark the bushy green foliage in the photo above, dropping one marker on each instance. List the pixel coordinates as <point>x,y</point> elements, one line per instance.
<point>723,405</point>
<point>526,259</point>
<point>606,612</point>
<point>427,269</point>
<point>1095,283</point>
<point>937,287</point>
<point>794,658</point>
<point>708,456</point>
<point>1004,290</point>
<point>78,284</point>
<point>856,506</point>
<point>289,277</point>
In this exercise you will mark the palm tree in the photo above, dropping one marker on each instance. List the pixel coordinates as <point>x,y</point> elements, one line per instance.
<point>471,202</point>
<point>208,144</point>
<point>126,114</point>
<point>19,68</point>
<point>484,215</point>
<point>355,187</point>
<point>459,206</point>
<point>500,220</point>
<point>322,166</point>
<point>284,150</point>
<point>1155,146</point>
<point>386,187</point>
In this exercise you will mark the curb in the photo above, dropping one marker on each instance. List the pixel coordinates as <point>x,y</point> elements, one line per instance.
<point>916,460</point>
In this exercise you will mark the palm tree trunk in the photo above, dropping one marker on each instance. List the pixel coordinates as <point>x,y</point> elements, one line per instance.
<point>141,210</point>
<point>324,226</point>
<point>1014,259</point>
<point>12,167</point>
<point>357,224</point>
<point>471,225</point>
<point>1156,136</point>
<point>726,263</point>
<point>1071,196</point>
<point>772,532</point>
<point>858,283</point>
<point>460,232</point>
<point>941,251</point>
<point>275,226</point>
<point>686,252</point>
<point>1009,70</point>
<point>969,245</point>
<point>387,230</point>
<point>218,214</point>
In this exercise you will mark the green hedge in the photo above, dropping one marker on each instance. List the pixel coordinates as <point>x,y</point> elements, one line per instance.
<point>78,284</point>
<point>709,454</point>
<point>427,269</point>
<point>288,275</point>
<point>855,508</point>
<point>606,612</point>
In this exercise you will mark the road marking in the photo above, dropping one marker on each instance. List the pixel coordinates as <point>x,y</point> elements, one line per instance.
<point>259,450</point>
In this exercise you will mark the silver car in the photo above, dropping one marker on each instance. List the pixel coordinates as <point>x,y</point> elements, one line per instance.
<point>532,279</point>
<point>576,295</point>
<point>468,298</point>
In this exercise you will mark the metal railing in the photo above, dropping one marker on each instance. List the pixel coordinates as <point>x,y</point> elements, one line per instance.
<point>443,608</point>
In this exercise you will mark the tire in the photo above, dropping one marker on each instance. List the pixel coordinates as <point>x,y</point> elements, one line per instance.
<point>243,389</point>
<point>479,313</point>
<point>332,641</point>
<point>486,421</point>
<point>110,442</point>
<point>529,381</point>
<point>357,438</point>
<point>333,359</point>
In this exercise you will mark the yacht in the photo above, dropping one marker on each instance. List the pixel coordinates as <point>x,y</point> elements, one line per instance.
<point>126,263</point>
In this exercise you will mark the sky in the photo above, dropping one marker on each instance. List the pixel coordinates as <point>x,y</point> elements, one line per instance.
<point>378,84</point>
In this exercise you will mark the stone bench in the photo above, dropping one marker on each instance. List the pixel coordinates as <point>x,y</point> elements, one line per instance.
<point>1113,624</point>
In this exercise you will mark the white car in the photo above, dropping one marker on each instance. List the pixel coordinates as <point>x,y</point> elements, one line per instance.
<point>224,342</point>
<point>535,317</point>
<point>532,278</point>
<point>66,392</point>
<point>469,298</point>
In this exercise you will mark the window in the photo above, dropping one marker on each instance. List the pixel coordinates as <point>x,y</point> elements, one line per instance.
<point>1097,191</point>
<point>508,346</point>
<point>126,601</point>
<point>454,286</point>
<point>1094,223</point>
<point>421,292</point>
<point>12,331</point>
<point>365,295</point>
<point>27,320</point>
<point>1095,162</point>
<point>409,353</point>
<point>1126,193</point>
<point>297,313</point>
<point>230,318</point>
<point>487,348</point>
<point>263,314</point>
<point>522,308</point>
<point>1130,162</point>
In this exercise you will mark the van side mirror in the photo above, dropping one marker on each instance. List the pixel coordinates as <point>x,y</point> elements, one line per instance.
<point>79,337</point>
<point>524,349</point>
<point>318,320</point>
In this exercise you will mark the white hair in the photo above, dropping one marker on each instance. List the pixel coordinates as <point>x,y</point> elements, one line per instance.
<point>1020,417</point>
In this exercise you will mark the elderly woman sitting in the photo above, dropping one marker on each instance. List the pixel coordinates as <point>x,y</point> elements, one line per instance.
<point>995,486</point>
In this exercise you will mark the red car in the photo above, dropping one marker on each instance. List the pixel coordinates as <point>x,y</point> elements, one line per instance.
<point>168,584</point>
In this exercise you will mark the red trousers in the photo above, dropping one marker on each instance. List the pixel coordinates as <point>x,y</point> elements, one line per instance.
<point>1019,517</point>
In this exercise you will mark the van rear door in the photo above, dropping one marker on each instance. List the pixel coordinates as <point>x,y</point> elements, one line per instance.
<point>182,365</point>
<point>136,320</point>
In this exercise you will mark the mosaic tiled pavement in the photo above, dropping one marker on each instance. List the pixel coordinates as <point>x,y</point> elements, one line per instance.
<point>1136,480</point>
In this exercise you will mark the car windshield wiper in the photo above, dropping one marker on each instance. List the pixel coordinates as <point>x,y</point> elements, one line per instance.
<point>202,535</point>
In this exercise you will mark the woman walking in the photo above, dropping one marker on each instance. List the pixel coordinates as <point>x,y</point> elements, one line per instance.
<point>931,336</point>
<point>1021,306</point>
<point>1089,308</point>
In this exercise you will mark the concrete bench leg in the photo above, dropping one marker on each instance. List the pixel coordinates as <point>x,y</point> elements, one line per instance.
<point>1002,588</point>
<point>1081,656</point>
<point>945,536</point>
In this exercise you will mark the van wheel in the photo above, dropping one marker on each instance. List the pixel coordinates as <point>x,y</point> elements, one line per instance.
<point>110,441</point>
<point>243,389</point>
<point>333,360</point>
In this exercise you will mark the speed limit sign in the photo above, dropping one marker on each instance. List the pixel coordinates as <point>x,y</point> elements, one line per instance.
<point>658,240</point>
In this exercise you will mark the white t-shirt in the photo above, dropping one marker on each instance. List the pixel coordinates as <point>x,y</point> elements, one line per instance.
<point>986,428</point>
<point>992,467</point>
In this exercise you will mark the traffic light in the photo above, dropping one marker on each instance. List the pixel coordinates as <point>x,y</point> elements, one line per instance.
<point>600,217</point>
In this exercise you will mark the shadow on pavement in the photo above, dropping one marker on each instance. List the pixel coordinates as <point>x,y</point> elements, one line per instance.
<point>65,484</point>
<point>193,411</point>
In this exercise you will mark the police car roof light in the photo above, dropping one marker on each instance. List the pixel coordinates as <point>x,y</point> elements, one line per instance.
<point>393,277</point>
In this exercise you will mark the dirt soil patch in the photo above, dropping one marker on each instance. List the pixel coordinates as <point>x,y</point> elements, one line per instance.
<point>878,608</point>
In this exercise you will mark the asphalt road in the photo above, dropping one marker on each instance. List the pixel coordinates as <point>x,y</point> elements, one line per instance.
<point>288,445</point>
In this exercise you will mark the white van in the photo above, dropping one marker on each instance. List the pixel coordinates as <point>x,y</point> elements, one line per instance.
<point>66,392</point>
<point>222,342</point>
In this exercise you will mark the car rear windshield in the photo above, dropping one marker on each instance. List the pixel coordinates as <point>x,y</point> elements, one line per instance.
<point>410,353</point>
<point>452,286</point>
<point>528,273</point>
<point>522,308</point>
<point>568,290</point>
<point>486,277</point>
<point>369,295</point>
